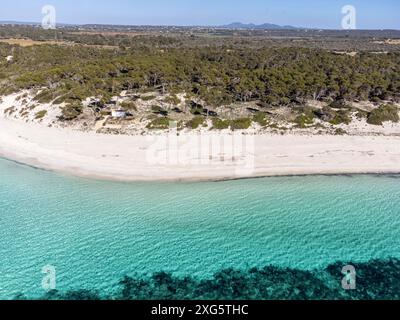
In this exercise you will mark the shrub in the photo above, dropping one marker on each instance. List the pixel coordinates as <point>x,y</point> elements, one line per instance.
<point>341,116</point>
<point>340,132</point>
<point>41,114</point>
<point>45,96</point>
<point>382,114</point>
<point>159,124</point>
<point>325,114</point>
<point>9,110</point>
<point>237,124</point>
<point>261,118</point>
<point>71,111</point>
<point>302,121</point>
<point>197,110</point>
<point>159,110</point>
<point>219,124</point>
<point>60,99</point>
<point>148,98</point>
<point>306,117</point>
<point>339,104</point>
<point>195,122</point>
<point>128,106</point>
<point>240,124</point>
<point>361,114</point>
<point>105,113</point>
<point>172,99</point>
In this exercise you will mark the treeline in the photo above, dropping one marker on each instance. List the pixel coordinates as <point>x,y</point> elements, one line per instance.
<point>217,75</point>
<point>376,280</point>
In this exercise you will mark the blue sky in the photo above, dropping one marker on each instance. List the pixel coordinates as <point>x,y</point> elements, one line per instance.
<point>371,14</point>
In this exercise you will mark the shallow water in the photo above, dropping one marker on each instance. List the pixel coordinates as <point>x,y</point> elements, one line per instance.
<point>96,232</point>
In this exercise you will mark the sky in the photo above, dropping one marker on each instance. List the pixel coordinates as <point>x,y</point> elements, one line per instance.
<point>371,14</point>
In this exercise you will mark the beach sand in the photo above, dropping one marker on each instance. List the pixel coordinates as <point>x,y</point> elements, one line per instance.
<point>209,156</point>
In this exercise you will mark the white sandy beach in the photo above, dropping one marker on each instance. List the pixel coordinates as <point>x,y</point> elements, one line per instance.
<point>194,157</point>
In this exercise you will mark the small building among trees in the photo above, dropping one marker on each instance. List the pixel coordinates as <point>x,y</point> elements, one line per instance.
<point>118,113</point>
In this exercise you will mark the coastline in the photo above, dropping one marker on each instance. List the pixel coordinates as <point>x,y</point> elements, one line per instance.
<point>137,158</point>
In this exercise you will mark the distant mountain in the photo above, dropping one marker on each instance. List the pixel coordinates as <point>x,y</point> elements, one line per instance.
<point>252,26</point>
<point>234,25</point>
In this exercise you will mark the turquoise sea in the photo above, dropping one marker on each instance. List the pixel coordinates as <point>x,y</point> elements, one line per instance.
<point>96,232</point>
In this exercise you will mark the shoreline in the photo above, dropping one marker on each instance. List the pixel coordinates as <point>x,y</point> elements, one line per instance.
<point>157,159</point>
<point>188,180</point>
<point>105,178</point>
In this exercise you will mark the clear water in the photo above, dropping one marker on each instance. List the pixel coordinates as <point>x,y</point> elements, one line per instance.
<point>95,232</point>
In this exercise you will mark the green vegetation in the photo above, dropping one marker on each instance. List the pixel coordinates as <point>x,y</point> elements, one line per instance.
<point>147,98</point>
<point>325,114</point>
<point>341,117</point>
<point>376,280</point>
<point>261,118</point>
<point>71,111</point>
<point>339,104</point>
<point>383,114</point>
<point>303,121</point>
<point>128,106</point>
<point>335,117</point>
<point>9,111</point>
<point>340,132</point>
<point>237,124</point>
<point>159,110</point>
<point>47,95</point>
<point>172,99</point>
<point>212,71</point>
<point>361,114</point>
<point>40,114</point>
<point>305,118</point>
<point>159,124</point>
<point>105,113</point>
<point>218,77</point>
<point>219,124</point>
<point>240,124</point>
<point>195,122</point>
<point>24,113</point>
<point>196,108</point>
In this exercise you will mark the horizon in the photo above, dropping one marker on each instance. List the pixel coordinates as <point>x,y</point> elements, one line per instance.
<point>309,14</point>
<point>66,24</point>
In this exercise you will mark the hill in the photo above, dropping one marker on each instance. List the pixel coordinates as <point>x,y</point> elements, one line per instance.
<point>252,26</point>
